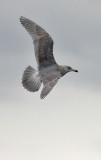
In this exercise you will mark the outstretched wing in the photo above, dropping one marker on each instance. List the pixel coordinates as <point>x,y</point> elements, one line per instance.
<point>49,86</point>
<point>43,43</point>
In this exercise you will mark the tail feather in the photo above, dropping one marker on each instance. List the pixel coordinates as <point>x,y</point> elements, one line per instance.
<point>31,79</point>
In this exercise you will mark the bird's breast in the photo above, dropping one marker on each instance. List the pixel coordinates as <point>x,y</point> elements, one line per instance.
<point>48,71</point>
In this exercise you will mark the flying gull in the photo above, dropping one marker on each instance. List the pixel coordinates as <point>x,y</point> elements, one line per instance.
<point>48,71</point>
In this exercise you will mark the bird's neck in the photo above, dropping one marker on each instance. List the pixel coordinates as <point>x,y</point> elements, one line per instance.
<point>62,70</point>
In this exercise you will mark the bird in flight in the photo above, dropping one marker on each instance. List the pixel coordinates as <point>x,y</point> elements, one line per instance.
<point>48,71</point>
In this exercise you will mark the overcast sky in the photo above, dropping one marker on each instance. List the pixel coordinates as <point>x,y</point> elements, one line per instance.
<point>67,123</point>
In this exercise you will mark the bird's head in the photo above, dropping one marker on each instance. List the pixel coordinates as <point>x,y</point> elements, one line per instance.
<point>69,69</point>
<point>66,69</point>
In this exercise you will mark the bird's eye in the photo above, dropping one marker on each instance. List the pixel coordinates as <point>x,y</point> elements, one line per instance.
<point>69,68</point>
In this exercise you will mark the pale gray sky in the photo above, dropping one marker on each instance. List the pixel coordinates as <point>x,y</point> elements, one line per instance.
<point>67,123</point>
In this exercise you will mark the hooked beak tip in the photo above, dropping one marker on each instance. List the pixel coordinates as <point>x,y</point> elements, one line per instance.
<point>75,70</point>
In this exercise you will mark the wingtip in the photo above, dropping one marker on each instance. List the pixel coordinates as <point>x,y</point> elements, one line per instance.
<point>41,97</point>
<point>21,18</point>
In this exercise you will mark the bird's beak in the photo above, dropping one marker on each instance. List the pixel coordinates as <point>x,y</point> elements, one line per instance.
<point>75,70</point>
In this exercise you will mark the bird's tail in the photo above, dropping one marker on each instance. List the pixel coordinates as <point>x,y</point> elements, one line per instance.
<point>31,79</point>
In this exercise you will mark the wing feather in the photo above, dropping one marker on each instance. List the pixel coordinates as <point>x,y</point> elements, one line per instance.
<point>49,86</point>
<point>43,43</point>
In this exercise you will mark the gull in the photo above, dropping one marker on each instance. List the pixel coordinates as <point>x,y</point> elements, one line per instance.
<point>48,71</point>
